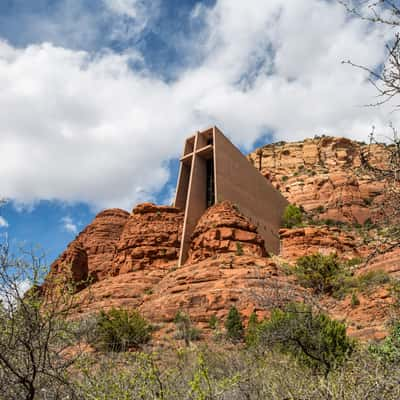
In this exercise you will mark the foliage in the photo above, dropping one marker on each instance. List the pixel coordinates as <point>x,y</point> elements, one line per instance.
<point>328,275</point>
<point>185,329</point>
<point>238,374</point>
<point>213,322</point>
<point>119,329</point>
<point>389,349</point>
<point>252,330</point>
<point>233,325</point>
<point>312,338</point>
<point>354,300</point>
<point>239,249</point>
<point>292,216</point>
<point>318,272</point>
<point>35,334</point>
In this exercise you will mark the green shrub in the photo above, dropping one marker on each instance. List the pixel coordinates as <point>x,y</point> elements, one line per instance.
<point>292,216</point>
<point>372,278</point>
<point>353,261</point>
<point>285,178</point>
<point>213,322</point>
<point>234,325</point>
<point>239,249</point>
<point>119,329</point>
<point>328,275</point>
<point>354,300</point>
<point>389,349</point>
<point>185,328</point>
<point>252,330</point>
<point>319,272</point>
<point>312,338</point>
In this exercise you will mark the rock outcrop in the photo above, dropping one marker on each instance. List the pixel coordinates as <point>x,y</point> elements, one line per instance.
<point>92,253</point>
<point>326,177</point>
<point>299,242</point>
<point>72,265</point>
<point>150,237</point>
<point>223,229</point>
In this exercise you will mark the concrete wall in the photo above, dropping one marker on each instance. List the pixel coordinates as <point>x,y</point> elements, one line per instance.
<point>239,182</point>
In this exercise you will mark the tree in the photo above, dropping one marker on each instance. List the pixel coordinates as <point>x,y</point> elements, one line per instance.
<point>386,81</point>
<point>313,338</point>
<point>119,329</point>
<point>292,216</point>
<point>318,272</point>
<point>35,336</point>
<point>234,325</point>
<point>186,330</point>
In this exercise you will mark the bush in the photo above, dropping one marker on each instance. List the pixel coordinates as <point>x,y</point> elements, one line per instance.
<point>319,272</point>
<point>313,339</point>
<point>389,349</point>
<point>292,216</point>
<point>185,329</point>
<point>354,300</point>
<point>213,322</point>
<point>373,278</point>
<point>234,325</point>
<point>239,249</point>
<point>252,330</point>
<point>118,330</point>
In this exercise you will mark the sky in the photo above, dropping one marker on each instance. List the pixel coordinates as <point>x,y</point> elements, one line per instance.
<point>97,97</point>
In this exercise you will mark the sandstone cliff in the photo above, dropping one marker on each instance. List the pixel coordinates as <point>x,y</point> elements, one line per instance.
<point>130,259</point>
<point>326,177</point>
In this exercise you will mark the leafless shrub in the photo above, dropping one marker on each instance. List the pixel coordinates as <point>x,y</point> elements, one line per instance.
<point>38,342</point>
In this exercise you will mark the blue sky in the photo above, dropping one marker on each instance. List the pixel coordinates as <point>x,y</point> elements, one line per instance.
<point>97,96</point>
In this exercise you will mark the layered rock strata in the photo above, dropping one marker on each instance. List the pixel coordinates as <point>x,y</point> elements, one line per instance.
<point>299,242</point>
<point>327,176</point>
<point>223,229</point>
<point>150,237</point>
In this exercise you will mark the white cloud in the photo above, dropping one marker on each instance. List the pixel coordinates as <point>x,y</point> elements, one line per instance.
<point>68,225</point>
<point>86,127</point>
<point>10,293</point>
<point>3,222</point>
<point>131,8</point>
<point>23,286</point>
<point>135,16</point>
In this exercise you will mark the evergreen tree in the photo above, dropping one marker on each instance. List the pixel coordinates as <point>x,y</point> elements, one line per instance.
<point>234,325</point>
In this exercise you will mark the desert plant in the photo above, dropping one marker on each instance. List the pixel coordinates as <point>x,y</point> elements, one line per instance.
<point>319,272</point>
<point>354,300</point>
<point>185,328</point>
<point>292,216</point>
<point>35,333</point>
<point>234,325</point>
<point>213,322</point>
<point>389,349</point>
<point>120,329</point>
<point>252,329</point>
<point>239,249</point>
<point>312,338</point>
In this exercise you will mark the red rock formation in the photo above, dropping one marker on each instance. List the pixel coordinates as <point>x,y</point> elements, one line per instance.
<point>298,242</point>
<point>324,176</point>
<point>133,257</point>
<point>71,265</point>
<point>151,237</point>
<point>100,239</point>
<point>212,286</point>
<point>223,229</point>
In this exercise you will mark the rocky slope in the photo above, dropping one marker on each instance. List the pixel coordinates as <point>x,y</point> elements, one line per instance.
<point>326,177</point>
<point>130,260</point>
